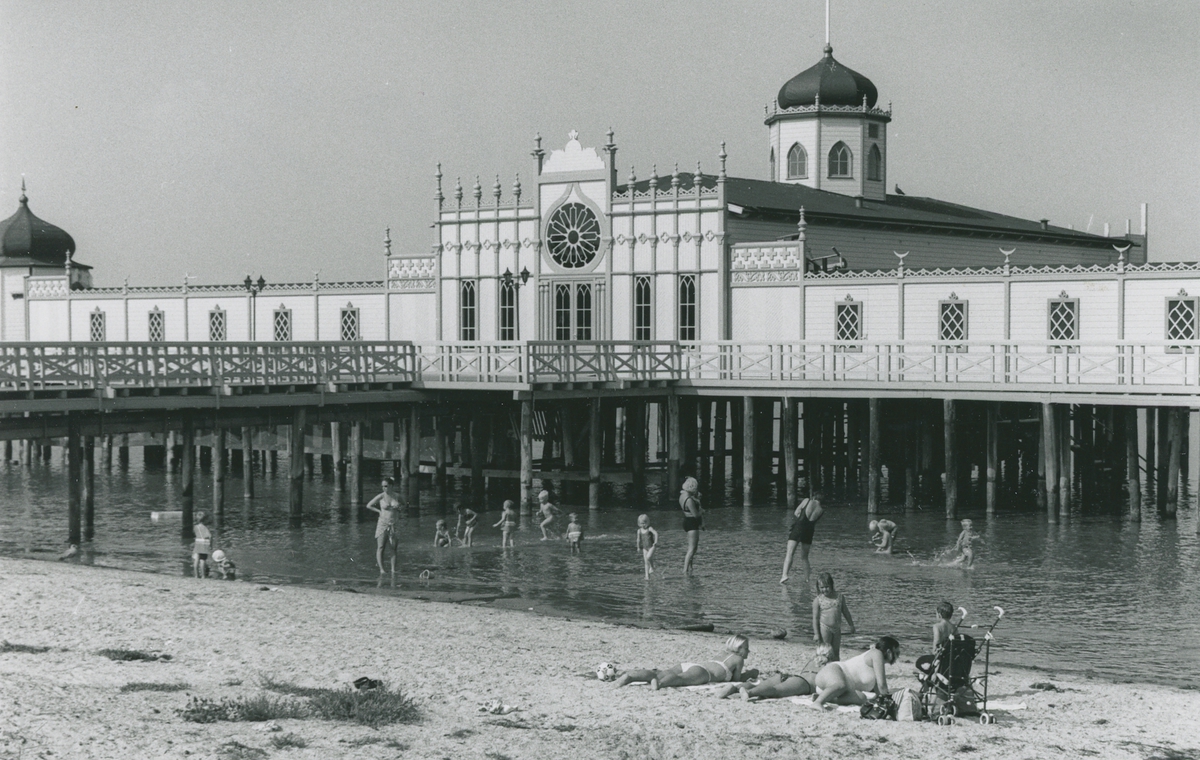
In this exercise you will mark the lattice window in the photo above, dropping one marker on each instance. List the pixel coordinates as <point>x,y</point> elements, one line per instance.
<point>350,323</point>
<point>283,324</point>
<point>562,312</point>
<point>687,307</point>
<point>848,324</point>
<point>952,324</point>
<point>468,326</point>
<point>508,311</point>
<point>1181,319</point>
<point>642,311</point>
<point>1063,319</point>
<point>583,312</point>
<point>217,325</point>
<point>96,326</point>
<point>875,164</point>
<point>840,160</point>
<point>797,162</point>
<point>157,326</point>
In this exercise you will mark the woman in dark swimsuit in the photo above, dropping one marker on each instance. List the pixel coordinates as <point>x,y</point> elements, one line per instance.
<point>807,514</point>
<point>689,502</point>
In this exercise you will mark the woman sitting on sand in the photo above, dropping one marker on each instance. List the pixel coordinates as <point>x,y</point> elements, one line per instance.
<point>843,683</point>
<point>728,668</point>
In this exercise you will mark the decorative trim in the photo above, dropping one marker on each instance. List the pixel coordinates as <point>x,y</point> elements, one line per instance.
<point>412,274</point>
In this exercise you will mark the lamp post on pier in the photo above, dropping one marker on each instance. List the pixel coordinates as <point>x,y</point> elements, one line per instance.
<point>253,288</point>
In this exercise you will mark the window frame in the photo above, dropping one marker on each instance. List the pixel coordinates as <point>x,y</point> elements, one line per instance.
<point>643,331</point>
<point>1062,345</point>
<point>156,314</point>
<point>803,173</point>
<point>1167,323</point>
<point>873,131</point>
<point>507,319</point>
<point>286,313</point>
<point>468,311</point>
<point>98,317</point>
<point>949,343</point>
<point>218,313</point>
<point>356,314</point>
<point>841,145</point>
<point>774,171</point>
<point>875,164</point>
<point>847,342</point>
<point>687,313</point>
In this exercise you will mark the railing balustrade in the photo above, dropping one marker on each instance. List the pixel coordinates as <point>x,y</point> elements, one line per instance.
<point>1161,367</point>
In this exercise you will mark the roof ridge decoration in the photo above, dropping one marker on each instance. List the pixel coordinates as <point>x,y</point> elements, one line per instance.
<point>573,158</point>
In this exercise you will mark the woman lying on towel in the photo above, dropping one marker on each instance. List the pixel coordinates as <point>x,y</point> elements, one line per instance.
<point>843,683</point>
<point>728,668</point>
<point>780,685</point>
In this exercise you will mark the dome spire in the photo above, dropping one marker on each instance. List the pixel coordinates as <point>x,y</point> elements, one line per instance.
<point>24,198</point>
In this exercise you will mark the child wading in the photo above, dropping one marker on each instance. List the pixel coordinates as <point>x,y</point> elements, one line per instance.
<point>224,566</point>
<point>574,533</point>
<point>507,524</point>
<point>548,512</point>
<point>647,540</point>
<point>883,535</point>
<point>467,519</point>
<point>202,546</point>
<point>441,535</point>
<point>829,607</point>
<point>966,556</point>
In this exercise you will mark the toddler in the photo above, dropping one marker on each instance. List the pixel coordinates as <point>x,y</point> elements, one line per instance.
<point>507,523</point>
<point>966,556</point>
<point>548,512</point>
<point>883,535</point>
<point>943,629</point>
<point>574,533</point>
<point>224,566</point>
<point>467,517</point>
<point>441,536</point>
<point>647,540</point>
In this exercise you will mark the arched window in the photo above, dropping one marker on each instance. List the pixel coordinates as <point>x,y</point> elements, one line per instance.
<point>687,307</point>
<point>840,160</point>
<point>875,164</point>
<point>774,176</point>
<point>797,162</point>
<point>508,310</point>
<point>466,311</point>
<point>350,323</point>
<point>642,312</point>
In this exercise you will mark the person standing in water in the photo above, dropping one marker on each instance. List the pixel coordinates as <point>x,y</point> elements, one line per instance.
<point>388,507</point>
<point>548,512</point>
<point>807,513</point>
<point>693,520</point>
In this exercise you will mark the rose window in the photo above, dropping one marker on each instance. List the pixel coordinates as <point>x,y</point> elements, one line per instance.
<point>573,236</point>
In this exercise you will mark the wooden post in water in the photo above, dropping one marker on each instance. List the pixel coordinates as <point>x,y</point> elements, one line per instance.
<point>170,450</point>
<point>296,465</point>
<point>719,440</point>
<point>527,456</point>
<point>674,446</point>
<point>308,455</point>
<point>218,471</point>
<point>1175,452</point>
<point>787,448</point>
<point>187,474</point>
<point>1050,450</point>
<point>1163,421</point>
<point>737,433</point>
<point>247,462</point>
<point>477,444</point>
<point>705,407</point>
<point>912,453</point>
<point>993,453</point>
<point>89,487</point>
<point>594,453</point>
<point>950,437</point>
<point>107,456</point>
<point>339,456</point>
<point>635,409</point>
<point>1064,459</point>
<point>873,456</point>
<point>1133,464</point>
<point>74,451</point>
<point>566,426</point>
<point>354,468</point>
<point>439,455</point>
<point>748,450</point>
<point>1151,445</point>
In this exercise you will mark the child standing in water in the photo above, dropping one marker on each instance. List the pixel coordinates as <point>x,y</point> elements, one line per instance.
<point>468,524</point>
<point>507,524</point>
<point>202,546</point>
<point>548,512</point>
<point>574,533</point>
<point>829,607</point>
<point>883,535</point>
<point>647,540</point>
<point>966,556</point>
<point>441,536</point>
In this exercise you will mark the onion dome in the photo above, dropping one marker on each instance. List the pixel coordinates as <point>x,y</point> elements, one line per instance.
<point>835,84</point>
<point>25,239</point>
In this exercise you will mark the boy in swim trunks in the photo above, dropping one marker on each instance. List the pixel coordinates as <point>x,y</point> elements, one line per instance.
<point>966,556</point>
<point>467,518</point>
<point>507,524</point>
<point>693,673</point>
<point>943,629</point>
<point>883,535</point>
<point>574,533</point>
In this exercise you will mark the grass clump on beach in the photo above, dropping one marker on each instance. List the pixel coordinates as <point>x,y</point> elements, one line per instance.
<point>234,750</point>
<point>8,646</point>
<point>288,741</point>
<point>132,655</point>
<point>152,686</point>
<point>257,709</point>
<point>373,707</point>
<point>286,687</point>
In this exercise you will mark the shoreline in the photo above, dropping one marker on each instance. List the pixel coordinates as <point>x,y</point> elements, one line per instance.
<point>224,637</point>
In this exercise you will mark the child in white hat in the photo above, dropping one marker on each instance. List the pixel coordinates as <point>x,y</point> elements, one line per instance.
<point>224,566</point>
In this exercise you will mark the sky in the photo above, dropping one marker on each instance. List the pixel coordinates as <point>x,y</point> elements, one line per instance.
<point>216,139</point>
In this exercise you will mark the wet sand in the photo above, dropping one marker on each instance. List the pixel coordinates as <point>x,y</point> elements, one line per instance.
<point>452,657</point>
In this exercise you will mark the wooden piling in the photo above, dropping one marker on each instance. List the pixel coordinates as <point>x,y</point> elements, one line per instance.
<point>787,432</point>
<point>1064,459</point>
<point>873,486</point>
<point>1151,445</point>
<point>527,456</point>
<point>308,456</point>
<point>477,444</point>
<point>414,445</point>
<point>1133,464</point>
<point>1175,452</point>
<point>737,433</point>
<point>993,454</point>
<point>705,409</point>
<point>187,474</point>
<point>950,438</point>
<point>911,453</point>
<point>635,413</point>
<point>720,442</point>
<point>218,471</point>
<point>339,456</point>
<point>1162,419</point>
<point>89,487</point>
<point>1050,451</point>
<point>354,468</point>
<point>247,462</point>
<point>594,453</point>
<point>674,446</point>
<point>566,426</point>
<point>749,439</point>
<point>298,428</point>
<point>74,450</point>
<point>440,422</point>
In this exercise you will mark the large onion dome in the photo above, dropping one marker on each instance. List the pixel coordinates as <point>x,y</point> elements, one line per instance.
<point>27,240</point>
<point>836,85</point>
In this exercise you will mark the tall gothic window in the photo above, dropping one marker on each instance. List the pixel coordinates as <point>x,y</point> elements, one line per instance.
<point>952,324</point>
<point>1181,322</point>
<point>642,312</point>
<point>508,310</point>
<point>350,323</point>
<point>583,312</point>
<point>840,160</point>
<point>282,324</point>
<point>467,323</point>
<point>797,162</point>
<point>875,164</point>
<point>687,307</point>
<point>217,325</point>
<point>157,332</point>
<point>96,326</point>
<point>774,176</point>
<point>562,312</point>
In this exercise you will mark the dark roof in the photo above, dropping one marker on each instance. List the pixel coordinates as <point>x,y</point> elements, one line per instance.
<point>26,240</point>
<point>779,198</point>
<point>836,84</point>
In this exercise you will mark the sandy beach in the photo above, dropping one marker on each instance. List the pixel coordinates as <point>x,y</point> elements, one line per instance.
<point>224,638</point>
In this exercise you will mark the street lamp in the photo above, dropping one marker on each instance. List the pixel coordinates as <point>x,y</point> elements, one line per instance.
<point>508,276</point>
<point>253,288</point>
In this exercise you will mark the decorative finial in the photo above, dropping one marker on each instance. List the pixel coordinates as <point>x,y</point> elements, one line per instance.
<point>125,285</point>
<point>496,190</point>
<point>610,134</point>
<point>1121,256</point>
<point>722,156</point>
<point>900,266</point>
<point>632,179</point>
<point>698,174</point>
<point>573,134</point>
<point>23,198</point>
<point>653,177</point>
<point>675,176</point>
<point>458,191</point>
<point>477,190</point>
<point>537,144</point>
<point>1007,253</point>
<point>517,187</point>
<point>437,196</point>
<point>387,242</point>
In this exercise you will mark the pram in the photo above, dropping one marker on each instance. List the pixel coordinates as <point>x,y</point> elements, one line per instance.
<point>948,689</point>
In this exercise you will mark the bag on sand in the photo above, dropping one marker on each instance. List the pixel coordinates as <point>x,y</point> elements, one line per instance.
<point>965,701</point>
<point>879,708</point>
<point>908,707</point>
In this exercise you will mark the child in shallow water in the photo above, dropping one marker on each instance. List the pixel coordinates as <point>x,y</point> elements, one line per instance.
<point>728,668</point>
<point>467,518</point>
<point>883,535</point>
<point>966,556</point>
<point>574,533</point>
<point>829,607</point>
<point>647,541</point>
<point>441,537</point>
<point>507,523</point>
<point>224,566</point>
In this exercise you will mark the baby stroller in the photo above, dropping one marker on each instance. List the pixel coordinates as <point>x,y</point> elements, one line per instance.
<point>948,690</point>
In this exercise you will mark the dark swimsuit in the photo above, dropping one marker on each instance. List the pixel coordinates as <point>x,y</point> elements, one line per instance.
<point>690,523</point>
<point>802,528</point>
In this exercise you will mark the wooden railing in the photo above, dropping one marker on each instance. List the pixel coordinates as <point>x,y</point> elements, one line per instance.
<point>1123,367</point>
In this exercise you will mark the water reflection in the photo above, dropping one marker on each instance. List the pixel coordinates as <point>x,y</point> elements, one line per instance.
<point>1087,577</point>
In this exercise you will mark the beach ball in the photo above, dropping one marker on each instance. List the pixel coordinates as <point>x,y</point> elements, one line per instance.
<point>606,671</point>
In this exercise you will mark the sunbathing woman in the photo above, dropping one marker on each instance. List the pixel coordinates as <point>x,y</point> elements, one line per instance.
<point>843,683</point>
<point>779,685</point>
<point>696,674</point>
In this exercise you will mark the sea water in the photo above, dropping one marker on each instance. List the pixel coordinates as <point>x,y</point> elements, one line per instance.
<point>1092,594</point>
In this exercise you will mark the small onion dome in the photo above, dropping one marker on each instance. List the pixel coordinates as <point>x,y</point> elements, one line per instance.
<point>30,240</point>
<point>836,84</point>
